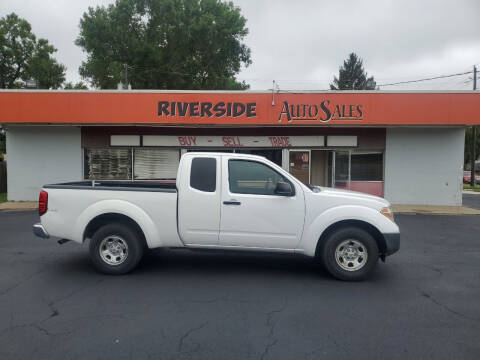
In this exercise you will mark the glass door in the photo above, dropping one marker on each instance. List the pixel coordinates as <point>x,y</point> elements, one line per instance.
<point>342,169</point>
<point>299,165</point>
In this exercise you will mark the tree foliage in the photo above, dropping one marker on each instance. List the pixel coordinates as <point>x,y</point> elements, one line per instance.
<point>3,147</point>
<point>352,76</point>
<point>77,86</point>
<point>23,57</point>
<point>164,44</point>
<point>468,145</point>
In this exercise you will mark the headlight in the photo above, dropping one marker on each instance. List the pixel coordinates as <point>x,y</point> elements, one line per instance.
<point>387,211</point>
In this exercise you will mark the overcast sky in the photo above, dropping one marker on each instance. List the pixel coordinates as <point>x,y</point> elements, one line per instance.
<point>301,43</point>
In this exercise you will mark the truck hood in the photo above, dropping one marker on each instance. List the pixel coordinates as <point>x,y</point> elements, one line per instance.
<point>354,195</point>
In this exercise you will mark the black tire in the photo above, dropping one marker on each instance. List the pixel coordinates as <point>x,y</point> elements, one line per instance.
<point>361,240</point>
<point>130,256</point>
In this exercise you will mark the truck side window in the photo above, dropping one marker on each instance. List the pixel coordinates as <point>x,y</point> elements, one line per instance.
<point>251,177</point>
<point>203,174</point>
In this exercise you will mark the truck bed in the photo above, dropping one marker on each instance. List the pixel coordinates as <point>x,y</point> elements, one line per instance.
<point>163,185</point>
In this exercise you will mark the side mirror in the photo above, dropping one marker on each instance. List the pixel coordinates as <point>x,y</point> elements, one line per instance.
<point>284,189</point>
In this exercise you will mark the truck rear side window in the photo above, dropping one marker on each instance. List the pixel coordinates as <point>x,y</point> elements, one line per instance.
<point>203,174</point>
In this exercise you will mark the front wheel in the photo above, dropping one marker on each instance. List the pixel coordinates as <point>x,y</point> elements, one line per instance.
<point>115,249</point>
<point>350,254</point>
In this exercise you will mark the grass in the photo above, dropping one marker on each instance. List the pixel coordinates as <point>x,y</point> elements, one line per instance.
<point>3,197</point>
<point>468,187</point>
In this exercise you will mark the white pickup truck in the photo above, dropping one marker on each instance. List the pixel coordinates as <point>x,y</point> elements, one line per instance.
<point>221,201</point>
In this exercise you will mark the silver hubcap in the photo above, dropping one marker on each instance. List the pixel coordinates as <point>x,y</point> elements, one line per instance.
<point>351,255</point>
<point>113,250</point>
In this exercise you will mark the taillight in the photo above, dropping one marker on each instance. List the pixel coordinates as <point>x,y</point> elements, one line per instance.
<point>42,202</point>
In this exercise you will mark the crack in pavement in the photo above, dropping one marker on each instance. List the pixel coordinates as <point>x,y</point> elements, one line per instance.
<point>40,271</point>
<point>433,268</point>
<point>52,304</point>
<point>49,333</point>
<point>445,307</point>
<point>187,334</point>
<point>31,276</point>
<point>272,342</point>
<point>53,313</point>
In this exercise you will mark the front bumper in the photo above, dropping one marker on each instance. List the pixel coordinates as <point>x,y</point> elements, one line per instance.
<point>40,231</point>
<point>392,243</point>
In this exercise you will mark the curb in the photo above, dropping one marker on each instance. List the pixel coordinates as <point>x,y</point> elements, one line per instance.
<point>19,206</point>
<point>434,210</point>
<point>470,192</point>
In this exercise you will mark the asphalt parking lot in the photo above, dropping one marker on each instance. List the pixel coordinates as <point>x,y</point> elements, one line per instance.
<point>472,200</point>
<point>423,303</point>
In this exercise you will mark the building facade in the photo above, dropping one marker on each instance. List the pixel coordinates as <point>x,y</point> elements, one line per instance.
<point>406,147</point>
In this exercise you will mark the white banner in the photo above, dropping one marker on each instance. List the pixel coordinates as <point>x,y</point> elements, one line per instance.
<point>192,141</point>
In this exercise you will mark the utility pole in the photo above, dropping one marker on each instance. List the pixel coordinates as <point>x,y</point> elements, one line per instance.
<point>474,135</point>
<point>125,85</point>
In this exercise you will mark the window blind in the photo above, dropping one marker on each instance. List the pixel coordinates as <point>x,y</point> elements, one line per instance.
<point>155,163</point>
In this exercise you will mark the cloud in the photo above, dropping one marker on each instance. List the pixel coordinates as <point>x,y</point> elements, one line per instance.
<point>302,43</point>
<point>308,40</point>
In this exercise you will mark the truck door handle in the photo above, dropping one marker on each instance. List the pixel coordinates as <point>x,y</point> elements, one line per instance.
<point>233,202</point>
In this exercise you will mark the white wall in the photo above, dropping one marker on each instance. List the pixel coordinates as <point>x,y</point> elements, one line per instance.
<point>38,155</point>
<point>424,165</point>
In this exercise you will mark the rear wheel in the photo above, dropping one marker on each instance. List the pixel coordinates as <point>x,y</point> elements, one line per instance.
<point>350,254</point>
<point>115,249</point>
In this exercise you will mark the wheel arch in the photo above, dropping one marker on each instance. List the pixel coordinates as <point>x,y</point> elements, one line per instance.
<point>115,210</point>
<point>366,226</point>
<point>112,217</point>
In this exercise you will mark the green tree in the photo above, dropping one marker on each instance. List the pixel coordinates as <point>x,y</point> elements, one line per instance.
<point>164,44</point>
<point>78,86</point>
<point>48,73</point>
<point>3,148</point>
<point>17,44</point>
<point>468,145</point>
<point>22,57</point>
<point>352,76</point>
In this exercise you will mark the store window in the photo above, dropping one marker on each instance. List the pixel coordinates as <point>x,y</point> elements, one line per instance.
<point>121,163</point>
<point>151,164</point>
<point>108,164</point>
<point>367,166</point>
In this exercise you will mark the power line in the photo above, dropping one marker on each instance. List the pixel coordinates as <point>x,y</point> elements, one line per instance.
<point>426,79</point>
<point>299,81</point>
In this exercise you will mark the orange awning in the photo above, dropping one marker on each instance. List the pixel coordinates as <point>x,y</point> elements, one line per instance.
<point>240,108</point>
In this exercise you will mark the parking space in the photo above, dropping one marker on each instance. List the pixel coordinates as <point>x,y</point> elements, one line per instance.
<point>422,303</point>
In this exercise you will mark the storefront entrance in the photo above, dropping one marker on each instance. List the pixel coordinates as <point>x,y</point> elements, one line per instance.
<point>312,166</point>
<point>299,165</point>
<point>343,169</point>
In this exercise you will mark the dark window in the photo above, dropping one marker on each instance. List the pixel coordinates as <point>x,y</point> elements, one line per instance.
<point>251,177</point>
<point>367,167</point>
<point>203,174</point>
<point>341,169</point>
<point>272,155</point>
